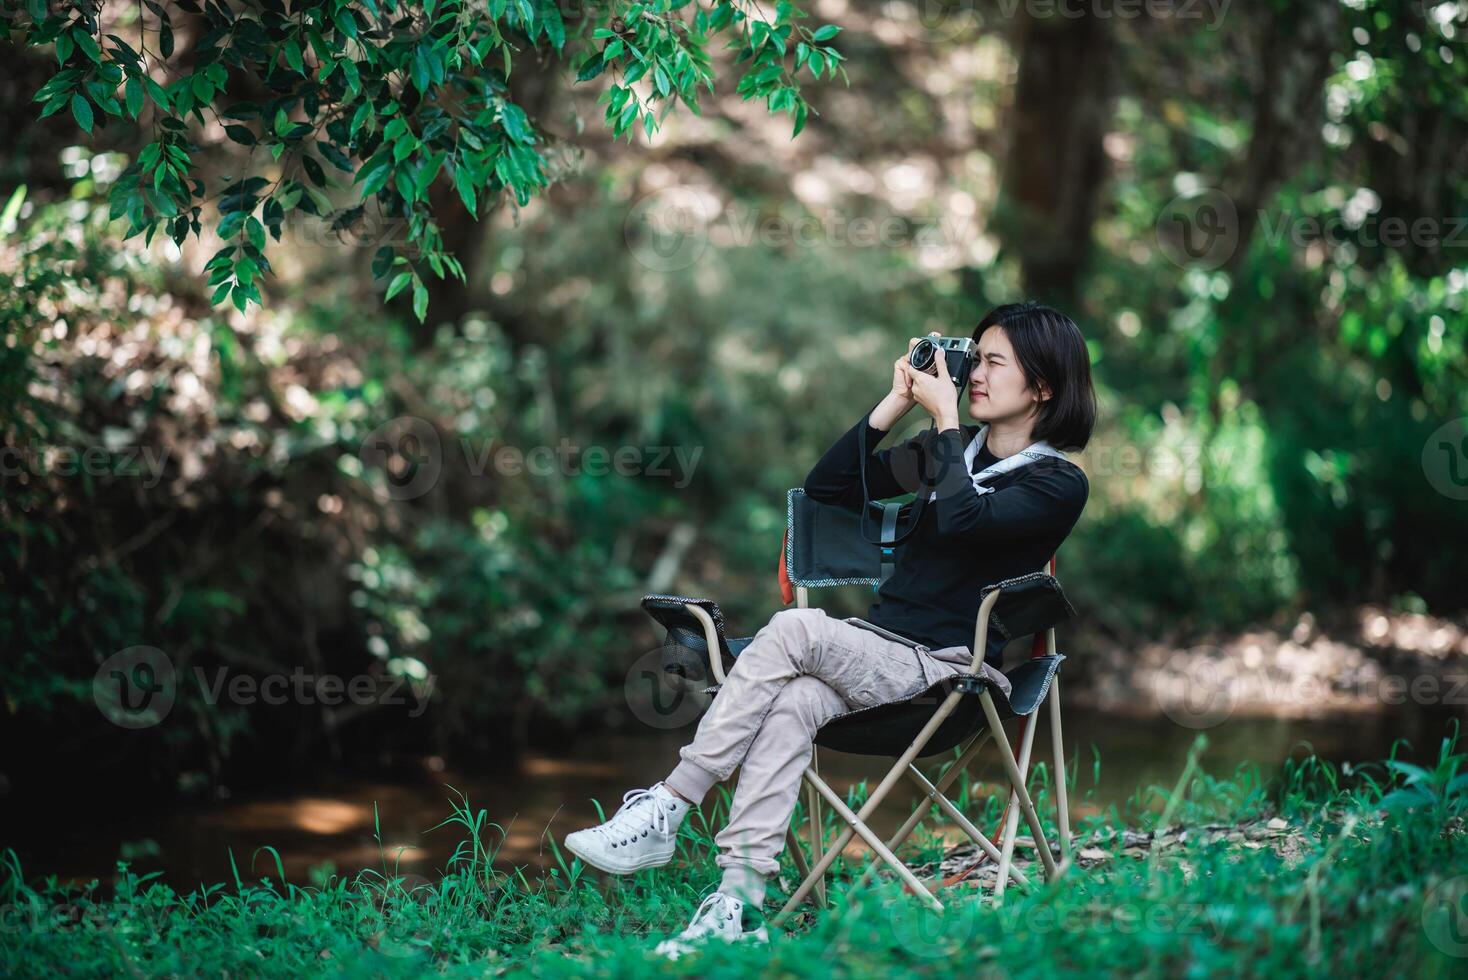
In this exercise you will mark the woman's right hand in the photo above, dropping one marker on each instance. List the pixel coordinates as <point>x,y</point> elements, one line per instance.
<point>901,385</point>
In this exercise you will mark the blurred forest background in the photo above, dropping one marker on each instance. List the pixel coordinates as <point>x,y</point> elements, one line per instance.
<point>1209,190</point>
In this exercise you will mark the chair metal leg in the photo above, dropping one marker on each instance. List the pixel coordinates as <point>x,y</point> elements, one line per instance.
<point>945,780</point>
<point>1057,746</point>
<point>858,825</point>
<point>1016,780</point>
<point>797,853</point>
<point>856,822</point>
<point>956,815</point>
<point>1026,750</point>
<point>817,826</point>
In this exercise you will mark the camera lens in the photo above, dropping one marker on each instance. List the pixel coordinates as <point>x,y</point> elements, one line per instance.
<point>921,356</point>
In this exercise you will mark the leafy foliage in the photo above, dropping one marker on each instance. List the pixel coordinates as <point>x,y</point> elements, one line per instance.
<point>385,97</point>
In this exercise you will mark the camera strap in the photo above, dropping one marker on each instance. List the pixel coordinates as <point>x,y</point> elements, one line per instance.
<point>889,531</point>
<point>888,539</point>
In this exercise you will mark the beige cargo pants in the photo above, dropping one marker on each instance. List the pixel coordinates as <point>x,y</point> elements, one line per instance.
<point>802,669</point>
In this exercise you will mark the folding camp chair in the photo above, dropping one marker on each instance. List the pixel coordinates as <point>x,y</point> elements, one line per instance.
<point>825,547</point>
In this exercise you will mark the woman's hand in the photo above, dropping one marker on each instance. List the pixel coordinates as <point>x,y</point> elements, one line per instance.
<point>901,385</point>
<point>934,392</point>
<point>899,400</point>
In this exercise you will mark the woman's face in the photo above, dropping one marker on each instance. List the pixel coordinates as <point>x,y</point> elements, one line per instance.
<point>997,390</point>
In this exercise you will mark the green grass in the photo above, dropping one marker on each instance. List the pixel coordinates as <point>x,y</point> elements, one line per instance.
<point>1369,886</point>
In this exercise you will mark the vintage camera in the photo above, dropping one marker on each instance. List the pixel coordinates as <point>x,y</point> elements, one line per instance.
<point>957,351</point>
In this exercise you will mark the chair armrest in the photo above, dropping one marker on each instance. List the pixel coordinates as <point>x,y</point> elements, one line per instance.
<point>705,614</point>
<point>711,638</point>
<point>981,631</point>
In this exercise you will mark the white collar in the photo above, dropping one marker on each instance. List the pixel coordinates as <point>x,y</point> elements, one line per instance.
<point>1027,455</point>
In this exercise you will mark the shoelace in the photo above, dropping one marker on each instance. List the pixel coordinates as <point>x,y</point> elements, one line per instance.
<point>698,926</point>
<point>622,819</point>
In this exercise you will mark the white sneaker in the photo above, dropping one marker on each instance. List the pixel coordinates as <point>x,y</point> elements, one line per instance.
<point>719,917</point>
<point>641,834</point>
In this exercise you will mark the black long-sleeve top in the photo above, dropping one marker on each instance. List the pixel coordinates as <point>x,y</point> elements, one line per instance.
<point>964,539</point>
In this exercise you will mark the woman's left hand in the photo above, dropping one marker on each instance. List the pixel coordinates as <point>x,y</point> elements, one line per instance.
<point>936,393</point>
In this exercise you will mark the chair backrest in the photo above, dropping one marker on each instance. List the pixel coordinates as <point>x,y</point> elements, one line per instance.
<point>825,546</point>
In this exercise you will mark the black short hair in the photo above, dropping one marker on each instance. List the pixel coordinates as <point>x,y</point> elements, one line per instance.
<point>1050,349</point>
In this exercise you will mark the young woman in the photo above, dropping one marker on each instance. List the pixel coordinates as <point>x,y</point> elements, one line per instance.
<point>1001,499</point>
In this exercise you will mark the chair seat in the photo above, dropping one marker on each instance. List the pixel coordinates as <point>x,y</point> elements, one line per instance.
<point>888,729</point>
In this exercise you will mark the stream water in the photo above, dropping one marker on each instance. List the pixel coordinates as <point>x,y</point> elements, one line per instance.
<point>333,825</point>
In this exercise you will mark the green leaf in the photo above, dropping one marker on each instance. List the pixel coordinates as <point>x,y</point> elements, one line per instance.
<point>591,68</point>
<point>420,300</point>
<point>464,183</point>
<point>293,56</point>
<point>353,77</point>
<point>515,123</point>
<point>133,95</point>
<point>826,33</point>
<point>555,28</point>
<point>255,232</point>
<point>399,283</point>
<point>82,110</point>
<point>87,45</point>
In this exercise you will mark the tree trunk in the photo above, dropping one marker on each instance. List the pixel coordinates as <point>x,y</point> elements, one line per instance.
<point>1056,164</point>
